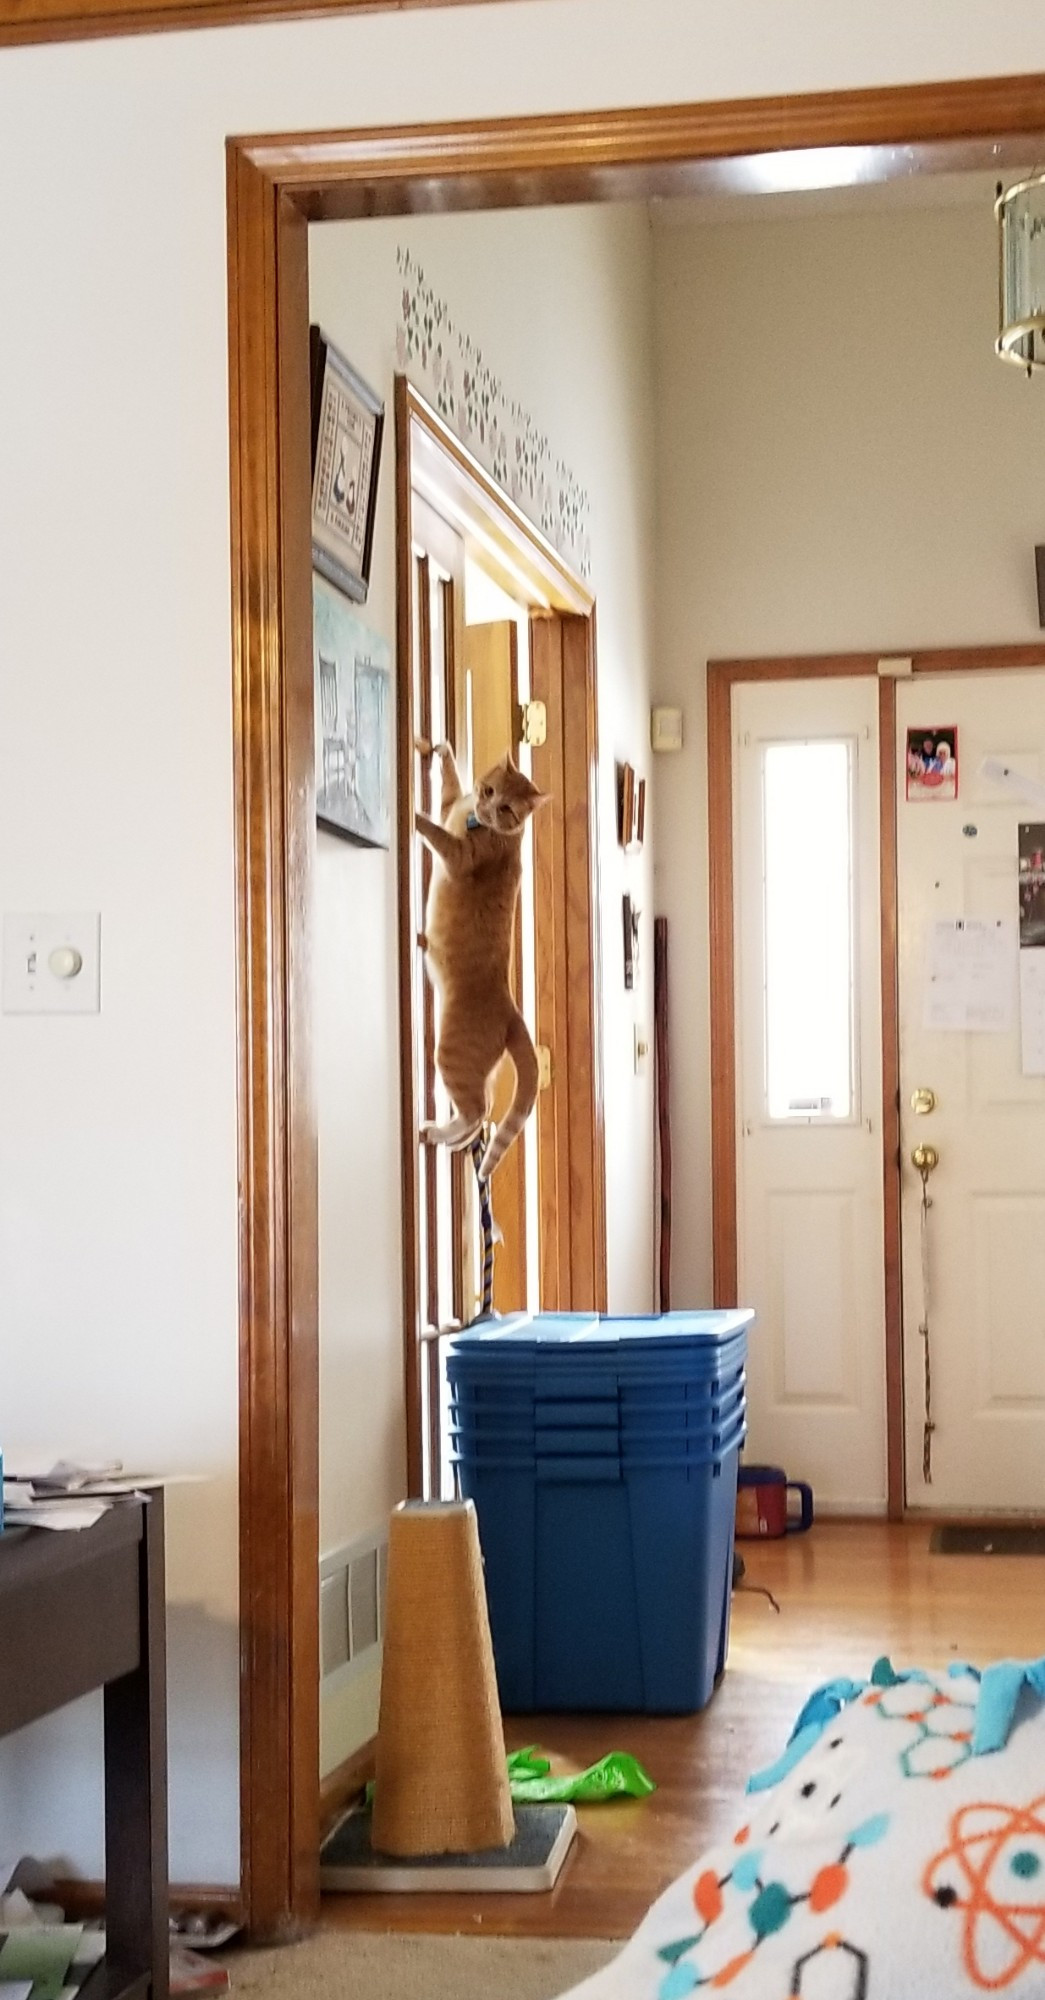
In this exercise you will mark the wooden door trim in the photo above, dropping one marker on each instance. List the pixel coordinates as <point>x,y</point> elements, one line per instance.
<point>83,20</point>
<point>447,475</point>
<point>581,890</point>
<point>892,1184</point>
<point>406,807</point>
<point>722,677</point>
<point>653,150</point>
<point>273,185</point>
<point>275,815</point>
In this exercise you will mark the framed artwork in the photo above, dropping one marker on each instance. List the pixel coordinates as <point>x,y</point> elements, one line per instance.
<point>347,425</point>
<point>1032,885</point>
<point>932,763</point>
<point>631,942</point>
<point>353,733</point>
<point>625,802</point>
<point>631,807</point>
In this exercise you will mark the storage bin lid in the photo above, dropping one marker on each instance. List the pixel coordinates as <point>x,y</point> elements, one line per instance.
<point>548,1332</point>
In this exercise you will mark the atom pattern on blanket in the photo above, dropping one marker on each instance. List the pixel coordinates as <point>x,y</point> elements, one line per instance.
<point>833,1970</point>
<point>993,1873</point>
<point>700,1960</point>
<point>942,1724</point>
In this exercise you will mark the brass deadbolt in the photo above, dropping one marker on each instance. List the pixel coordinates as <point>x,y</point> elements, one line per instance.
<point>923,1101</point>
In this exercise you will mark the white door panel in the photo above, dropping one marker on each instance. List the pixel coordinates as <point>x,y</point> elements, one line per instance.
<point>986,1227</point>
<point>810,1203</point>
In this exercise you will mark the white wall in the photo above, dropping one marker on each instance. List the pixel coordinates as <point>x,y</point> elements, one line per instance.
<point>117,1136</point>
<point>844,465</point>
<point>362,1441</point>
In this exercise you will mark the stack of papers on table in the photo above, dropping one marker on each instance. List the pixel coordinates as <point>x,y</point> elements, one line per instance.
<point>66,1495</point>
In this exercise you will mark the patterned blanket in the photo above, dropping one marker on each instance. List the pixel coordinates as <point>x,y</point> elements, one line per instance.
<point>896,1852</point>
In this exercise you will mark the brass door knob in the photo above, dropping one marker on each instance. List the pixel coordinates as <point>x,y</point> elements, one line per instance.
<point>925,1159</point>
<point>923,1101</point>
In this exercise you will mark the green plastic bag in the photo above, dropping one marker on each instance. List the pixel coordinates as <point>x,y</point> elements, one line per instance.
<point>615,1776</point>
<point>530,1780</point>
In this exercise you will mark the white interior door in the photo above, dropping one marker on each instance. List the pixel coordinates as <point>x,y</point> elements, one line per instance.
<point>986,1228</point>
<point>808,1012</point>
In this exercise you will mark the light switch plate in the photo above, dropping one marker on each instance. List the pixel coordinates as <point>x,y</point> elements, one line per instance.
<point>37,951</point>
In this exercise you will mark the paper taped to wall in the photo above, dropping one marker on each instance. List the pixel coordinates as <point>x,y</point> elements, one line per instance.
<point>971,975</point>
<point>1016,783</point>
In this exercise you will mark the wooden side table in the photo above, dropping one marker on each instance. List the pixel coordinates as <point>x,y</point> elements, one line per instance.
<point>85,1610</point>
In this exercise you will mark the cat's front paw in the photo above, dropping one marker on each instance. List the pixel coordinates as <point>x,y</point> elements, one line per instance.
<point>422,746</point>
<point>429,1135</point>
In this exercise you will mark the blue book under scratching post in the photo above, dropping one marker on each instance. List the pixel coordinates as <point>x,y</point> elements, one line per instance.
<point>442,1815</point>
<point>602,1456</point>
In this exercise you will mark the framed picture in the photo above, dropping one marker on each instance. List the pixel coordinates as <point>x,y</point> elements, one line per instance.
<point>347,425</point>
<point>631,807</point>
<point>352,721</point>
<point>1032,885</point>
<point>625,803</point>
<point>932,763</point>
<point>631,942</point>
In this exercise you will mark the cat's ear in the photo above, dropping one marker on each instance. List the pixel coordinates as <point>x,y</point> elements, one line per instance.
<point>532,799</point>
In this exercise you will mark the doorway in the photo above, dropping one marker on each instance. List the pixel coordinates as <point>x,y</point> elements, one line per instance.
<point>898,1353</point>
<point>496,653</point>
<point>275,186</point>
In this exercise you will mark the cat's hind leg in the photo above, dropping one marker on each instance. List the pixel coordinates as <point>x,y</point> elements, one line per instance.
<point>467,1093</point>
<point>456,1133</point>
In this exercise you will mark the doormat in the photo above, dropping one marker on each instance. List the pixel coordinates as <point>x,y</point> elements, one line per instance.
<point>998,1541</point>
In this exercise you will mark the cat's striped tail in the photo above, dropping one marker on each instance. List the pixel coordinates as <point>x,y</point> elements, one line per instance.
<point>524,1056</point>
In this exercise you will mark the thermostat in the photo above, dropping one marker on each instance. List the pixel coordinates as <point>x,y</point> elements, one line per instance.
<point>665,732</point>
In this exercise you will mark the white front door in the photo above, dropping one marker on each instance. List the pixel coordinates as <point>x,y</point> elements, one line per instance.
<point>985,1231</point>
<point>809,1095</point>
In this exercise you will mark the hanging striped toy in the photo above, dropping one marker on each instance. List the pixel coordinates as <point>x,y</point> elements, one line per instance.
<point>485,1223</point>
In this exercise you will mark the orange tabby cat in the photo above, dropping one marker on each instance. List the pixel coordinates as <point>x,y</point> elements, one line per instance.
<point>469,925</point>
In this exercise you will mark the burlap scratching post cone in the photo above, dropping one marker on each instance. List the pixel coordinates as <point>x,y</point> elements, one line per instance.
<point>442,1778</point>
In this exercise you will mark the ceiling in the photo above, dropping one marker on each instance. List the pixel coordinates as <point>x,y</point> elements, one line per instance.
<point>833,180</point>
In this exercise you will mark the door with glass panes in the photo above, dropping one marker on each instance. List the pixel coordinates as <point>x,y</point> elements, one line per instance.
<point>809,1080</point>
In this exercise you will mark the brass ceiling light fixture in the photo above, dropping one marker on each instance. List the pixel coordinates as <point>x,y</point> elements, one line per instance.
<point>1021,252</point>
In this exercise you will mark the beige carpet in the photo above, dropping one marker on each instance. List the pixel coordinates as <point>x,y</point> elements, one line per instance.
<point>350,1965</point>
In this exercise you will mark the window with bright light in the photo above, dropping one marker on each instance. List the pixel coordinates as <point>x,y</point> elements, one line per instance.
<point>807,820</point>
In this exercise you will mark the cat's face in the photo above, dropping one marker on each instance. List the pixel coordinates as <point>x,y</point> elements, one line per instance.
<point>505,797</point>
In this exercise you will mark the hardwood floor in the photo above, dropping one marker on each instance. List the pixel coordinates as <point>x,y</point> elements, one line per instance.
<point>847,1593</point>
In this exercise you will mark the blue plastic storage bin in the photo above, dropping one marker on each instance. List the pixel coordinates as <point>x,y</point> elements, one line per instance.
<point>609,1591</point>
<point>602,1457</point>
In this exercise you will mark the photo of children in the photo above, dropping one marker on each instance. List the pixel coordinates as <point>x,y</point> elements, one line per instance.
<point>932,764</point>
<point>1032,885</point>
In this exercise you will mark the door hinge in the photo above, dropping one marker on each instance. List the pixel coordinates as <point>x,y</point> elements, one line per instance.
<point>544,1067</point>
<point>531,723</point>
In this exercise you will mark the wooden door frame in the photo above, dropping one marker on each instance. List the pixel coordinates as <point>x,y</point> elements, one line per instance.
<point>723,677</point>
<point>432,461</point>
<point>276,185</point>
<point>24,21</point>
